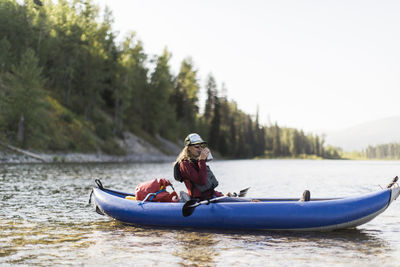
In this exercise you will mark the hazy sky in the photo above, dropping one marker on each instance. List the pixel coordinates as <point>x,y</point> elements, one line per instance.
<point>307,64</point>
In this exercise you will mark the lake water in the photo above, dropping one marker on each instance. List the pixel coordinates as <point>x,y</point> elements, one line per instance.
<point>46,220</point>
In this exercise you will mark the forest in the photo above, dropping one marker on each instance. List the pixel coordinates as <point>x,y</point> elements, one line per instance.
<point>67,84</point>
<point>384,151</point>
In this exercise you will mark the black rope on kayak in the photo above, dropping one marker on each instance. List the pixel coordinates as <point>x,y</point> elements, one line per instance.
<point>394,181</point>
<point>99,184</point>
<point>99,211</point>
<point>90,197</point>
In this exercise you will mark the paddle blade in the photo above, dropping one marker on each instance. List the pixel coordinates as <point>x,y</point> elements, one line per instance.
<point>189,207</point>
<point>243,192</point>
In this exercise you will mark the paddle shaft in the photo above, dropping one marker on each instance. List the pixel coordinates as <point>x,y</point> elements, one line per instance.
<point>191,205</point>
<point>207,201</point>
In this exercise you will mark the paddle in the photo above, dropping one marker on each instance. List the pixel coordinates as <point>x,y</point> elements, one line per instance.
<point>190,205</point>
<point>243,192</point>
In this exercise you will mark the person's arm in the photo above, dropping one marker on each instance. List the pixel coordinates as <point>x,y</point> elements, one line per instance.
<point>189,172</point>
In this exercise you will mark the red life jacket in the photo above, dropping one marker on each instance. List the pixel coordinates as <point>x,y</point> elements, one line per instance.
<point>155,191</point>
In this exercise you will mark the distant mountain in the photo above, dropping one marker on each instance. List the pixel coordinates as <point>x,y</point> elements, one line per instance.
<point>358,137</point>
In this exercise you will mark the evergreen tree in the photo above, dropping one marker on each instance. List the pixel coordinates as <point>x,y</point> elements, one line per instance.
<point>5,55</point>
<point>211,92</point>
<point>259,144</point>
<point>23,100</point>
<point>214,134</point>
<point>132,86</point>
<point>185,97</point>
<point>317,146</point>
<point>162,117</point>
<point>276,143</point>
<point>16,28</point>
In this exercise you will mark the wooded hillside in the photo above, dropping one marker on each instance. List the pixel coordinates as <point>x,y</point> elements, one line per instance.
<point>66,84</point>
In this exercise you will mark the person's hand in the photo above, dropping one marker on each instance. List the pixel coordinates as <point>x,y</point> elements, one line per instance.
<point>204,153</point>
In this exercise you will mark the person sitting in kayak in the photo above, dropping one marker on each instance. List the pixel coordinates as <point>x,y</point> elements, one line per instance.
<point>190,167</point>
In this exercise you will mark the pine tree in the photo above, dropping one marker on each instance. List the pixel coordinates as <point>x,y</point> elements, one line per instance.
<point>24,96</point>
<point>162,117</point>
<point>131,86</point>
<point>214,134</point>
<point>211,91</point>
<point>185,97</point>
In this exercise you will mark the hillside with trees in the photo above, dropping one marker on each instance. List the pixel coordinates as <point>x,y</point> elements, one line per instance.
<point>66,84</point>
<point>384,151</point>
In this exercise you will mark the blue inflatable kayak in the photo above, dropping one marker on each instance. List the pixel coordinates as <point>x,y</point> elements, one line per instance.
<point>251,214</point>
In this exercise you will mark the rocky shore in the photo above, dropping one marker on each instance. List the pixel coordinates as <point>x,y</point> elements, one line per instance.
<point>136,150</point>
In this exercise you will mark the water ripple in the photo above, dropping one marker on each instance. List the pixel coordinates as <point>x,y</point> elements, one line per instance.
<point>46,219</point>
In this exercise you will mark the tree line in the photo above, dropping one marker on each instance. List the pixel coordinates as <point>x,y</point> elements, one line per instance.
<point>67,84</point>
<point>384,151</point>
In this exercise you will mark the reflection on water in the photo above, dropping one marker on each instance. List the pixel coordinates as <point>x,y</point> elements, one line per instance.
<point>196,248</point>
<point>222,247</point>
<point>45,218</point>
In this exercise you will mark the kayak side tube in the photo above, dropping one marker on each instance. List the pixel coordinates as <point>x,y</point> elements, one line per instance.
<point>321,215</point>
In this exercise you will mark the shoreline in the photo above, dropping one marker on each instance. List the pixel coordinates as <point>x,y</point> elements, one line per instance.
<point>65,157</point>
<point>14,158</point>
<point>136,150</point>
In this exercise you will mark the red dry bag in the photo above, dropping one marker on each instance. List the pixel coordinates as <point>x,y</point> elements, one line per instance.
<point>155,191</point>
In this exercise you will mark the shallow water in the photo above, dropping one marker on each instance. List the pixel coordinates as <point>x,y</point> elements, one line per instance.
<point>46,219</point>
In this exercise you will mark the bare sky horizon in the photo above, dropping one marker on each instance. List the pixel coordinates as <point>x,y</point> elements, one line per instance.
<point>312,65</point>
